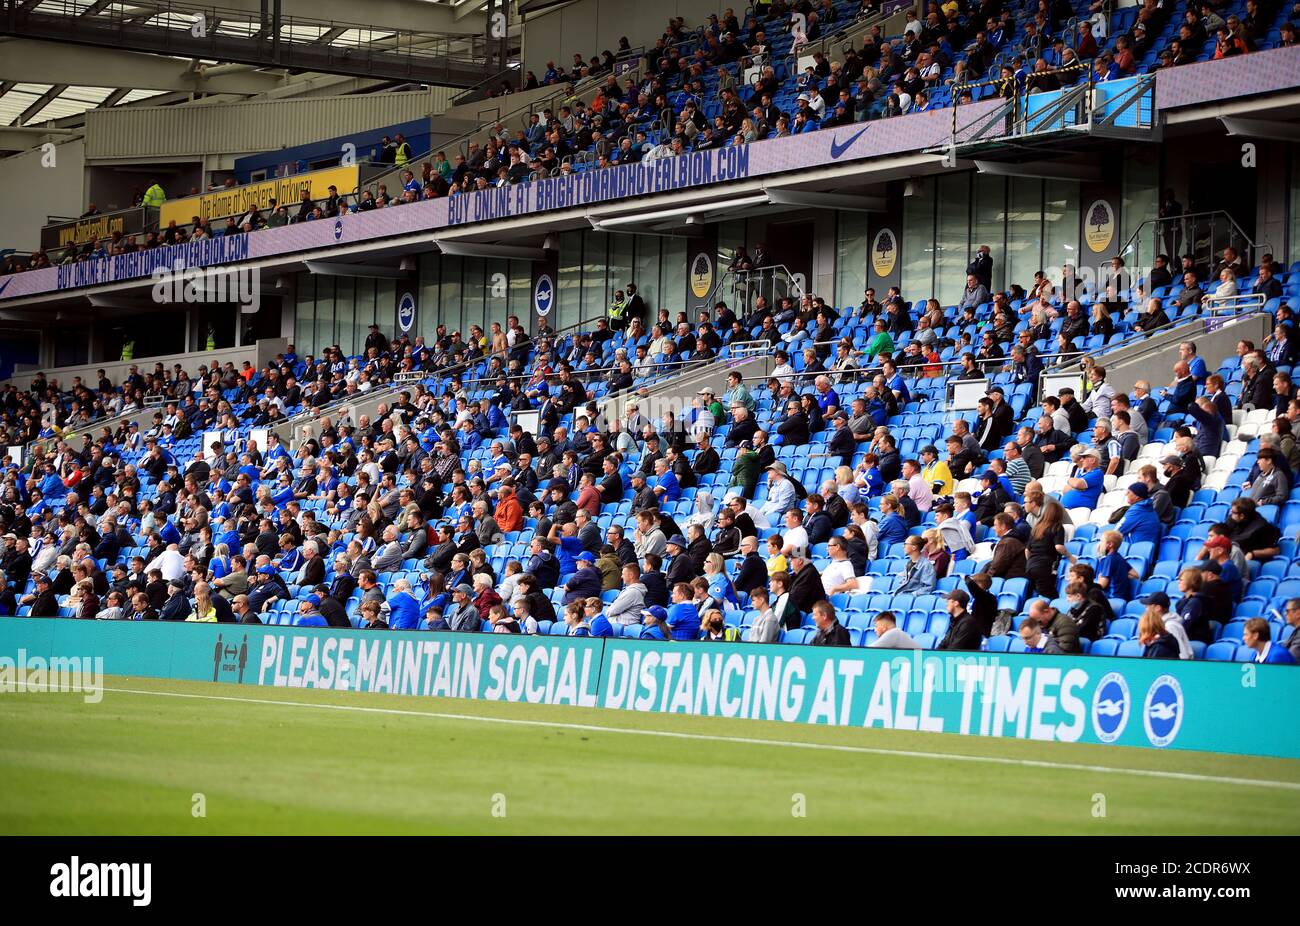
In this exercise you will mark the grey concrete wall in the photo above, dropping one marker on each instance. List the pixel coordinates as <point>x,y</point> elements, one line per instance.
<point>1153,360</point>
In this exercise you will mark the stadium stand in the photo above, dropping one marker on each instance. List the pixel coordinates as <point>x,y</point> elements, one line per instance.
<point>837,499</point>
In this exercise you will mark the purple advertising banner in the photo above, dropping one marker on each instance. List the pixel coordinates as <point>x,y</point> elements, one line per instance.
<point>693,170</point>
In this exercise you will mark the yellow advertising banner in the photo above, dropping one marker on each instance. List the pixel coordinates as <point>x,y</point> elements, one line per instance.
<point>236,200</point>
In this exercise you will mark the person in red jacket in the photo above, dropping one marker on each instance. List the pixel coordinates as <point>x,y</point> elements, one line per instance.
<point>509,514</point>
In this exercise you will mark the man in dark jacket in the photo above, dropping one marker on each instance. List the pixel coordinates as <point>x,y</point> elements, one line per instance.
<point>963,633</point>
<point>830,632</point>
<point>45,603</point>
<point>334,612</point>
<point>984,604</point>
<point>806,587</point>
<point>794,429</point>
<point>706,458</point>
<point>752,573</point>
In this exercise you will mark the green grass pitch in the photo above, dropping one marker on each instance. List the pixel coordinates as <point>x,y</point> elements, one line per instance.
<point>271,761</point>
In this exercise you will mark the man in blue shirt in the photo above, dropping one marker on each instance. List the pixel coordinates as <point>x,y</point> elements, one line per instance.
<point>309,613</point>
<point>1141,523</point>
<point>1195,365</point>
<point>1086,487</point>
<point>1257,635</point>
<point>683,618</point>
<point>403,608</point>
<point>666,485</point>
<point>828,399</point>
<point>1114,574</point>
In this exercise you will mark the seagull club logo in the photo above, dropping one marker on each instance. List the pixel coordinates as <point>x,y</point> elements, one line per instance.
<point>1110,707</point>
<point>406,312</point>
<point>544,295</point>
<point>1162,711</point>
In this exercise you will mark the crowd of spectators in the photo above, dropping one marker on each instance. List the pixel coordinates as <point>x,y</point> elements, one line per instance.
<point>437,512</point>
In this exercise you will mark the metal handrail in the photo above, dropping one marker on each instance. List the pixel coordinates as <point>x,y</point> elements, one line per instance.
<point>1176,227</point>
<point>173,17</point>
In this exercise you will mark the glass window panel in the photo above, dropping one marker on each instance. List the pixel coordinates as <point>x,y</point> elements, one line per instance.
<point>449,296</point>
<point>386,310</point>
<point>645,272</point>
<point>850,258</point>
<point>345,302</point>
<point>595,257</point>
<point>1061,232</point>
<point>1141,202</point>
<point>521,291</point>
<point>988,225</point>
<point>620,262</point>
<point>324,313</point>
<point>569,305</point>
<point>363,315</point>
<point>430,290</point>
<point>498,293</point>
<point>304,326</point>
<point>1025,231</point>
<point>918,241</point>
<point>953,239</point>
<point>672,278</point>
<point>474,281</point>
<point>731,237</point>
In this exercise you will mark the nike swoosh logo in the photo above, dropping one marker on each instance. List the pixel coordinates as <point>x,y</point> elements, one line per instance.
<point>5,284</point>
<point>837,149</point>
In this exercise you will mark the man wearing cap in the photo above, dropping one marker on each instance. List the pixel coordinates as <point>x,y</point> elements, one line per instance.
<point>44,602</point>
<point>1218,549</point>
<point>963,633</point>
<point>264,588</point>
<point>1141,523</point>
<point>376,340</point>
<point>781,493</point>
<point>461,614</point>
<point>177,606</point>
<point>656,622</point>
<point>309,613</point>
<point>806,587</point>
<point>585,582</point>
<point>1085,488</point>
<point>681,568</point>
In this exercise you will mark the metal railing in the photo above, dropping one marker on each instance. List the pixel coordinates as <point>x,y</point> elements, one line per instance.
<point>743,287</point>
<point>199,30</point>
<point>1088,106</point>
<point>1203,235</point>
